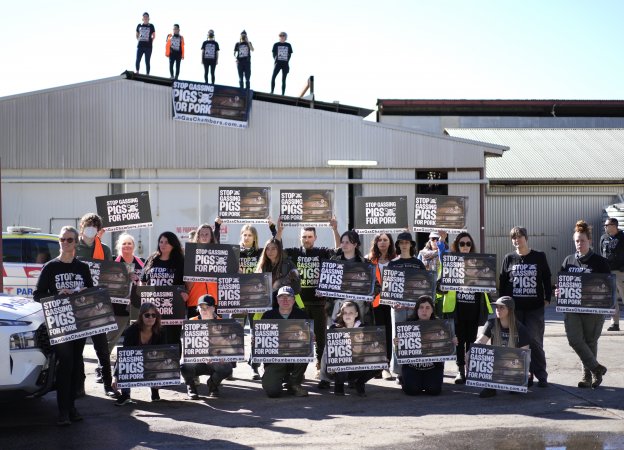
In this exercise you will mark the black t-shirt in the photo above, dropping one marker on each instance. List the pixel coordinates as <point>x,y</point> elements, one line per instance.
<point>282,52</point>
<point>523,334</point>
<point>467,305</point>
<point>209,50</point>
<point>249,259</point>
<point>407,263</point>
<point>175,45</point>
<point>57,275</point>
<point>163,273</point>
<point>308,263</point>
<point>145,34</point>
<point>526,278</point>
<point>242,51</point>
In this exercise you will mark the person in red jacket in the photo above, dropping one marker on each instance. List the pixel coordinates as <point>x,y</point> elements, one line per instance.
<point>174,49</point>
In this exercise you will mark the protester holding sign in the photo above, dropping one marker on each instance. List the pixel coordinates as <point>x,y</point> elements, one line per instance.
<point>405,247</point>
<point>91,246</point>
<point>469,310</point>
<point>242,52</point>
<point>382,251</point>
<point>145,331</point>
<point>430,255</point>
<point>504,331</point>
<point>145,35</point>
<point>217,371</point>
<point>423,377</point>
<point>250,252</point>
<point>282,51</point>
<point>584,330</point>
<point>203,235</point>
<point>282,269</point>
<point>525,276</point>
<point>277,373</point>
<point>612,248</point>
<point>210,56</point>
<point>65,275</point>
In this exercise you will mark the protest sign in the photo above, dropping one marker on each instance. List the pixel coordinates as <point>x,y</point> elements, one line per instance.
<point>282,341</point>
<point>424,341</point>
<point>503,368</point>
<point>380,214</point>
<point>440,212</point>
<point>205,341</point>
<point>167,300</point>
<point>362,348</point>
<point>245,293</point>
<point>244,204</point>
<point>346,279</point>
<point>468,272</point>
<point>211,103</point>
<point>586,293</point>
<point>403,286</point>
<point>148,366</point>
<point>314,208</point>
<point>114,276</point>
<point>124,211</point>
<point>204,262</point>
<point>85,313</point>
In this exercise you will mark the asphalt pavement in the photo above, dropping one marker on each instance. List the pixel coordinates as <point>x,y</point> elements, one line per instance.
<point>561,416</point>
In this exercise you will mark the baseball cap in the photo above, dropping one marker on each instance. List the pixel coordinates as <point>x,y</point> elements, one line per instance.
<point>206,299</point>
<point>506,301</point>
<point>286,290</point>
<point>434,234</point>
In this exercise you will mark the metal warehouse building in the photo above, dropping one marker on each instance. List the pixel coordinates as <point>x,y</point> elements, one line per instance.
<point>564,162</point>
<point>62,147</point>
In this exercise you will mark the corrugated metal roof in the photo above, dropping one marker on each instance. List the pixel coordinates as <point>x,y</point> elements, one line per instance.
<point>552,155</point>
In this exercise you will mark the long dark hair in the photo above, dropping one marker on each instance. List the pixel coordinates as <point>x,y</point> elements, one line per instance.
<point>354,238</point>
<point>145,307</point>
<point>265,264</point>
<point>375,253</point>
<point>460,236</point>
<point>425,299</point>
<point>340,321</point>
<point>213,239</point>
<point>177,254</point>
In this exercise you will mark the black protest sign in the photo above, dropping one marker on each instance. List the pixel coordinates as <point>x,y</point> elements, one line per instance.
<point>148,366</point>
<point>362,348</point>
<point>125,211</point>
<point>503,368</point>
<point>347,279</point>
<point>468,272</point>
<point>244,293</point>
<point>204,262</point>
<point>113,276</point>
<point>282,341</point>
<point>586,293</point>
<point>403,286</point>
<point>440,212</point>
<point>424,341</point>
<point>211,104</point>
<point>244,204</point>
<point>205,341</point>
<point>167,300</point>
<point>380,214</point>
<point>307,207</point>
<point>85,313</point>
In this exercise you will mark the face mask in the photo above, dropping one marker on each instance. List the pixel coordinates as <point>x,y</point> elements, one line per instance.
<point>89,232</point>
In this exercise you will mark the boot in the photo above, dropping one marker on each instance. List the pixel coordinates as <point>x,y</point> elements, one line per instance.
<point>597,374</point>
<point>98,375</point>
<point>586,381</point>
<point>213,389</point>
<point>191,391</point>
<point>461,375</point>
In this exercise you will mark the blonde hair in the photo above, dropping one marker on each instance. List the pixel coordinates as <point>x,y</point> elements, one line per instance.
<point>122,237</point>
<point>497,339</point>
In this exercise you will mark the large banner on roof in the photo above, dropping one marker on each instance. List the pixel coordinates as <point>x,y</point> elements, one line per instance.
<point>211,103</point>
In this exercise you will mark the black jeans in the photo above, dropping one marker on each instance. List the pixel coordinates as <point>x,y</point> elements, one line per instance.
<point>466,332</point>
<point>417,381</point>
<point>174,59</point>
<point>383,317</point>
<point>208,67</point>
<point>147,51</point>
<point>100,345</point>
<point>283,66</point>
<point>69,372</point>
<point>244,70</point>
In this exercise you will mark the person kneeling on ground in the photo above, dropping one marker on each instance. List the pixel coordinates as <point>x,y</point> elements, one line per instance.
<point>503,331</point>
<point>293,373</point>
<point>218,371</point>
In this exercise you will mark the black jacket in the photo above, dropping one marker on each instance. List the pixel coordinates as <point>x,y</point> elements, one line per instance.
<point>612,248</point>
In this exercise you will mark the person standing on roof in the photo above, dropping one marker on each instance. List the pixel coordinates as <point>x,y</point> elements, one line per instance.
<point>145,34</point>
<point>174,49</point>
<point>210,56</point>
<point>282,51</point>
<point>242,52</point>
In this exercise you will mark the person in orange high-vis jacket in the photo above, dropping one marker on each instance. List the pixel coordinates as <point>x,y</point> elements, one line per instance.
<point>174,50</point>
<point>196,289</point>
<point>382,251</point>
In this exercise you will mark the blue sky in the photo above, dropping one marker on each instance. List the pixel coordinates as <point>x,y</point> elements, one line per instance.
<point>358,51</point>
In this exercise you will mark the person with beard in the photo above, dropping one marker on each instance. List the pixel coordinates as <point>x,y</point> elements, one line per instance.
<point>584,330</point>
<point>307,259</point>
<point>282,51</point>
<point>65,275</point>
<point>525,276</point>
<point>612,248</point>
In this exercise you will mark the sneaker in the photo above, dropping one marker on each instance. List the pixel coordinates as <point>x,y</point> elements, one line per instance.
<point>597,375</point>
<point>323,384</point>
<point>542,384</point>
<point>487,393</point>
<point>339,389</point>
<point>191,392</point>
<point>299,391</point>
<point>123,400</point>
<point>461,377</point>
<point>98,375</point>
<point>156,397</point>
<point>386,375</point>
<point>74,415</point>
<point>213,389</point>
<point>614,327</point>
<point>110,392</point>
<point>63,420</point>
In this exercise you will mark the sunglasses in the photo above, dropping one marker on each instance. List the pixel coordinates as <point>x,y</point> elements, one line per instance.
<point>608,224</point>
<point>68,240</point>
<point>149,315</point>
<point>465,244</point>
<point>434,238</point>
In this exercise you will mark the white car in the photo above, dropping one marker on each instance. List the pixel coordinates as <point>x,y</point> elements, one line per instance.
<point>25,352</point>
